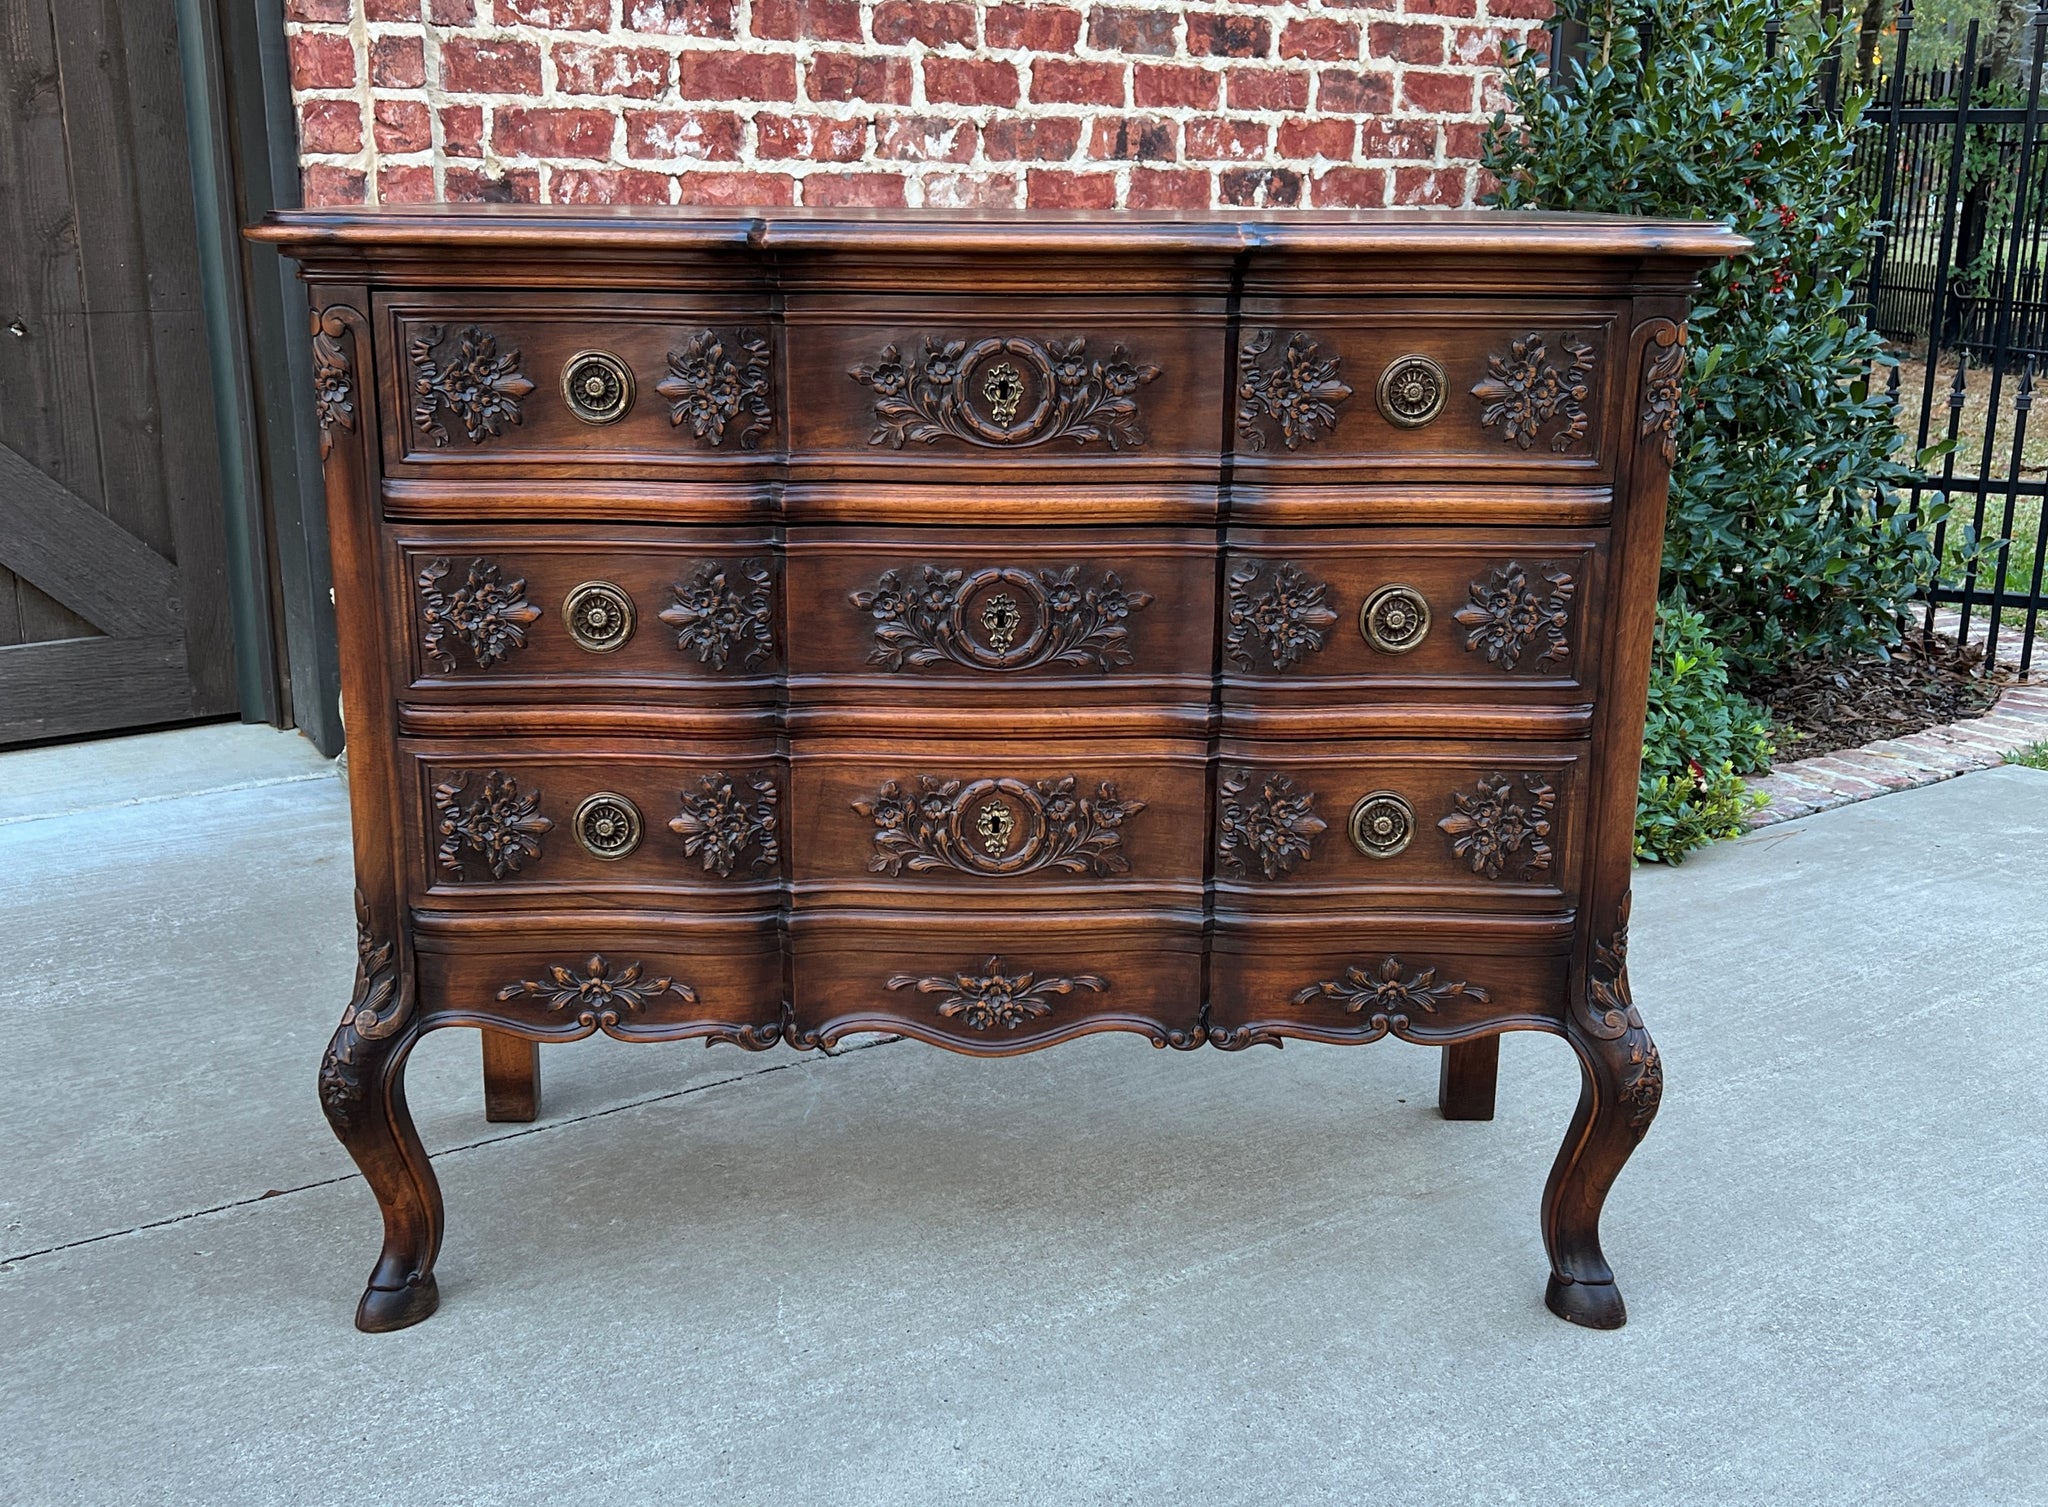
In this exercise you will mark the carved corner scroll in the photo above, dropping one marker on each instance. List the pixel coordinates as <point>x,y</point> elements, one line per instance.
<point>1300,390</point>
<point>1507,615</point>
<point>1608,1013</point>
<point>1006,393</point>
<point>487,615</point>
<point>499,823</point>
<point>1275,617</point>
<point>598,993</point>
<point>475,385</point>
<point>378,1009</point>
<point>1496,825</point>
<point>1525,390</point>
<point>996,997</point>
<point>1264,823</point>
<point>1389,995</point>
<point>722,613</point>
<point>720,378</point>
<point>1663,386</point>
<point>1001,618</point>
<point>728,818</point>
<point>333,378</point>
<point>998,827</point>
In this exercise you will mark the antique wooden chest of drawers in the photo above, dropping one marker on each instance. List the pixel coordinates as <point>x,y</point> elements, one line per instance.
<point>994,630</point>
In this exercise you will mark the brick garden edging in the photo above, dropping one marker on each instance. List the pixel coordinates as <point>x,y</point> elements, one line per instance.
<point>2017,720</point>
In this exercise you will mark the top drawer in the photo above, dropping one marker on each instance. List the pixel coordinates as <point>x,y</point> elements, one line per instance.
<point>565,384</point>
<point>1355,390</point>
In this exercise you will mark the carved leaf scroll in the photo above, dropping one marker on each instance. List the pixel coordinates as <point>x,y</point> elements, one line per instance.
<point>378,1008</point>
<point>333,379</point>
<point>498,822</point>
<point>1524,390</point>
<point>726,818</point>
<point>596,992</point>
<point>1662,389</point>
<point>1609,1012</point>
<point>995,997</point>
<point>484,613</point>
<point>717,378</point>
<point>923,617</point>
<point>1063,392</point>
<point>476,386</point>
<point>998,826</point>
<point>1300,391</point>
<point>1388,994</point>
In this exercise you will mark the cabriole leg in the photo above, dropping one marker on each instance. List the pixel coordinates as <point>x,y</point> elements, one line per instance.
<point>511,1078</point>
<point>1465,1082</point>
<point>362,1088</point>
<point>1622,1084</point>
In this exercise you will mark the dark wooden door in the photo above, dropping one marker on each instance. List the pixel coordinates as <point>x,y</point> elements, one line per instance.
<point>114,607</point>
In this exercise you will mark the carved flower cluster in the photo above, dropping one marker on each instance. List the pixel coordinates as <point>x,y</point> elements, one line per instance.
<point>920,619</point>
<point>935,828</point>
<point>1385,997</point>
<point>488,615</point>
<point>707,389</point>
<point>1491,825</point>
<point>1301,392</point>
<point>1274,620</point>
<point>498,823</point>
<point>996,997</point>
<point>477,386</point>
<point>1523,391</point>
<point>1506,615</point>
<point>725,818</point>
<point>1264,823</point>
<point>924,399</point>
<point>716,619</point>
<point>597,993</point>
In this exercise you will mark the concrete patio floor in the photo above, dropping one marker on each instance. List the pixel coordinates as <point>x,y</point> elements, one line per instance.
<point>1104,1274</point>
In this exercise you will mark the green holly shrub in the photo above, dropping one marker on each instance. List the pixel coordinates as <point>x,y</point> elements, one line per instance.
<point>1791,532</point>
<point>1699,739</point>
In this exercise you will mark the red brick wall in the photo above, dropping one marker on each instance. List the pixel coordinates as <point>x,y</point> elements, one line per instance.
<point>918,102</point>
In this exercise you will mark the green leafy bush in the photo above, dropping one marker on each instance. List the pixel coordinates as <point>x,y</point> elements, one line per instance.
<point>1699,739</point>
<point>1790,527</point>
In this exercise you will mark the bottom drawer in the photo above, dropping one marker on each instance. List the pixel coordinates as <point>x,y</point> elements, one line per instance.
<point>563,978</point>
<point>1360,978</point>
<point>994,985</point>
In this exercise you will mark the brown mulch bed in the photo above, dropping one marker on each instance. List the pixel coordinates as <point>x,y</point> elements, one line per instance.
<point>1821,707</point>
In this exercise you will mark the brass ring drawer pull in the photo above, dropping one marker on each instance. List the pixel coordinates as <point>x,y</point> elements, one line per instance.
<point>1382,824</point>
<point>608,826</point>
<point>1411,391</point>
<point>599,616</point>
<point>1394,619</point>
<point>597,386</point>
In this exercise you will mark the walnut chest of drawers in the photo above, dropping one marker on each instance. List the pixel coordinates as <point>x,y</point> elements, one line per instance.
<point>994,630</point>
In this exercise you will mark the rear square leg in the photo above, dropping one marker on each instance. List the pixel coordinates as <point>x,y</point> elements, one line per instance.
<point>511,1078</point>
<point>1465,1082</point>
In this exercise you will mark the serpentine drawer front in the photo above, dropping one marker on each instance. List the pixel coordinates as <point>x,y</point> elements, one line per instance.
<point>992,632</point>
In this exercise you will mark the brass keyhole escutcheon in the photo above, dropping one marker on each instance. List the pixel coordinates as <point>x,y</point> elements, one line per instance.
<point>1001,620</point>
<point>597,386</point>
<point>1382,824</point>
<point>1411,391</point>
<point>997,824</point>
<point>607,825</point>
<point>1394,619</point>
<point>599,616</point>
<point>1003,386</point>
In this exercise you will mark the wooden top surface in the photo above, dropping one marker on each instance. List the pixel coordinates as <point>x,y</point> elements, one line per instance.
<point>639,228</point>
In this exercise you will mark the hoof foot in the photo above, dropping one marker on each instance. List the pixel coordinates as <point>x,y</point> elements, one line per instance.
<point>384,1309</point>
<point>1597,1305</point>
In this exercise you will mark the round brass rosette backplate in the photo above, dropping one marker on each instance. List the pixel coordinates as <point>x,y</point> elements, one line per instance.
<point>608,826</point>
<point>1394,619</point>
<point>597,386</point>
<point>599,616</point>
<point>1382,824</point>
<point>1411,391</point>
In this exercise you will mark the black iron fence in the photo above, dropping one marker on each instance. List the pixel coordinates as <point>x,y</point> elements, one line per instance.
<point>1955,159</point>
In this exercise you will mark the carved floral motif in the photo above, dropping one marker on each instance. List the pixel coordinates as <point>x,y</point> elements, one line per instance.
<point>598,994</point>
<point>995,997</point>
<point>487,614</point>
<point>727,817</point>
<point>1494,824</point>
<point>999,827</point>
<point>333,379</point>
<point>1078,398</point>
<point>716,619</point>
<point>1506,615</point>
<point>1263,822</point>
<point>1385,997</point>
<point>1301,391</point>
<point>1662,389</point>
<point>478,387</point>
<point>1609,1013</point>
<point>1274,618</point>
<point>1522,391</point>
<point>922,618</point>
<point>497,823</point>
<point>708,389</point>
<point>377,1010</point>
